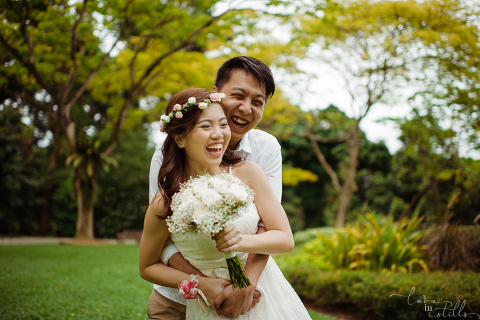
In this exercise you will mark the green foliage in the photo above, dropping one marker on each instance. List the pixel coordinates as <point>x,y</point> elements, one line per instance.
<point>22,166</point>
<point>373,244</point>
<point>122,197</point>
<point>308,250</point>
<point>375,296</point>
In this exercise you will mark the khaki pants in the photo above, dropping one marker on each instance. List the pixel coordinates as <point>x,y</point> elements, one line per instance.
<point>161,308</point>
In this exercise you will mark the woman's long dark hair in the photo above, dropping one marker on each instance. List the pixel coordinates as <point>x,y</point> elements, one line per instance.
<point>174,165</point>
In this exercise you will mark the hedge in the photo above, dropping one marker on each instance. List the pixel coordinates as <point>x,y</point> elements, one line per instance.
<point>376,296</point>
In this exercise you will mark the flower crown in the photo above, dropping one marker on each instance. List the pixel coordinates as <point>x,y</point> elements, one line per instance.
<point>178,109</point>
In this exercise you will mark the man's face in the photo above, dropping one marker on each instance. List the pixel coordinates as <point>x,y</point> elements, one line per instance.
<point>244,103</point>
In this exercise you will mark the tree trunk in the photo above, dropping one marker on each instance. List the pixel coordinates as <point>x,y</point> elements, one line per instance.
<point>84,230</point>
<point>353,146</point>
<point>47,205</point>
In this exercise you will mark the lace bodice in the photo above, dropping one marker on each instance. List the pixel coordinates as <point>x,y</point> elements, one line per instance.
<point>199,249</point>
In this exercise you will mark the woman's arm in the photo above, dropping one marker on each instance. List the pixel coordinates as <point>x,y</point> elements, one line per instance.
<point>279,238</point>
<point>155,233</point>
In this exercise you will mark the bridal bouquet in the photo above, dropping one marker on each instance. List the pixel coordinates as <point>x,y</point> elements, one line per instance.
<point>207,204</point>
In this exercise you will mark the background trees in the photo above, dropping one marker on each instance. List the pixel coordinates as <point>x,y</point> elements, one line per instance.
<point>53,53</point>
<point>81,81</point>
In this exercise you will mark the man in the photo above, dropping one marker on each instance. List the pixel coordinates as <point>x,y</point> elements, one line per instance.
<point>248,84</point>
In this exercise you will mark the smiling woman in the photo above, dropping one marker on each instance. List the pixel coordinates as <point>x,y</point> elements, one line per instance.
<point>198,137</point>
<point>207,140</point>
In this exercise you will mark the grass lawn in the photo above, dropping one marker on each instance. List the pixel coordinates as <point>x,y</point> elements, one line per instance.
<point>74,282</point>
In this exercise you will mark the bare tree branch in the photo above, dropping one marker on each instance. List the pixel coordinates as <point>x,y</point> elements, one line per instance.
<point>323,161</point>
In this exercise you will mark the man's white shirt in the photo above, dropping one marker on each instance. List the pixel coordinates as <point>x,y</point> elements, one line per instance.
<point>257,146</point>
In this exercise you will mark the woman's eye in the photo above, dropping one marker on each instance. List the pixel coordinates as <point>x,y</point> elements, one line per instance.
<point>223,125</point>
<point>205,126</point>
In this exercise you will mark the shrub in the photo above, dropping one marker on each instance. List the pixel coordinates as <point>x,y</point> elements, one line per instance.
<point>307,251</point>
<point>385,296</point>
<point>373,244</point>
<point>454,247</point>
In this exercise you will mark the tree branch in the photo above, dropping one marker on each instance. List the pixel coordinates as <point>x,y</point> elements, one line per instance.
<point>73,55</point>
<point>183,44</point>
<point>144,46</point>
<point>80,91</point>
<point>323,161</point>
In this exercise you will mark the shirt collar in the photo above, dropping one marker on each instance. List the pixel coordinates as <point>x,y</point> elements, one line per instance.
<point>244,147</point>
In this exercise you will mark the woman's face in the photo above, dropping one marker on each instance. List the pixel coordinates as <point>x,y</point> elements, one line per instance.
<point>206,143</point>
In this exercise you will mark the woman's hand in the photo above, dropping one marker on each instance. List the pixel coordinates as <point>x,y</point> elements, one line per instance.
<point>211,288</point>
<point>229,239</point>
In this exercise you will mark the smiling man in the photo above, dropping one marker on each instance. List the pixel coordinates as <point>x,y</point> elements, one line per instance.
<point>248,84</point>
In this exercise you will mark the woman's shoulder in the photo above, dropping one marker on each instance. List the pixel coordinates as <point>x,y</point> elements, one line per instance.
<point>247,167</point>
<point>247,171</point>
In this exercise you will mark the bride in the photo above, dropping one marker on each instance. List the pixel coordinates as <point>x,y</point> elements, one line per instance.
<point>197,141</point>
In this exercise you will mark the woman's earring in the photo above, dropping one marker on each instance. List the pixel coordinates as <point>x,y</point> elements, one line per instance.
<point>180,145</point>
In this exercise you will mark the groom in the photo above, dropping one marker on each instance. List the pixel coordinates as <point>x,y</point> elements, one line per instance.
<point>248,84</point>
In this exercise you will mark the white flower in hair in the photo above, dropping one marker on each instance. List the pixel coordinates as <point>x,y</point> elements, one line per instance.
<point>165,118</point>
<point>192,100</point>
<point>202,105</point>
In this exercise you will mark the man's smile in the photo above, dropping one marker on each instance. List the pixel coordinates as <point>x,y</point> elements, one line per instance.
<point>239,122</point>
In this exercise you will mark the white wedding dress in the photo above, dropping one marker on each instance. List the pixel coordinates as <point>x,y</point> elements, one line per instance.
<point>278,300</point>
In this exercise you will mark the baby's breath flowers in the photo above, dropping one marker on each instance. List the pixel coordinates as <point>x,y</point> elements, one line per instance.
<point>207,204</point>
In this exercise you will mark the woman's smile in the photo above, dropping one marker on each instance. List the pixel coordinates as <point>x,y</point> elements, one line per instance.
<point>215,149</point>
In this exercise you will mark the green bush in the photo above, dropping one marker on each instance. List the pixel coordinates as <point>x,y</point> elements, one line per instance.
<point>385,296</point>
<point>373,243</point>
<point>308,248</point>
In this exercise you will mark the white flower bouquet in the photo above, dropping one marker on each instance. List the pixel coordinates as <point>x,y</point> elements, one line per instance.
<point>207,204</point>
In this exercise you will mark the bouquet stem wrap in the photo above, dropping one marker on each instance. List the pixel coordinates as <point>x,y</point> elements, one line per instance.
<point>238,275</point>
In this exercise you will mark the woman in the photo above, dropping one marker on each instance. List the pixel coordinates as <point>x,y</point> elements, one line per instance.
<point>196,145</point>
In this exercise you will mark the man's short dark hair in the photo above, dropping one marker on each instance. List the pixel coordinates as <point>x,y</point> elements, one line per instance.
<point>250,65</point>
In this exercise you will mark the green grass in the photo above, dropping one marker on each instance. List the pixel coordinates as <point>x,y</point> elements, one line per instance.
<point>74,282</point>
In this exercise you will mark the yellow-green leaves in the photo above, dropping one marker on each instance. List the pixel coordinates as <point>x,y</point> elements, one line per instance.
<point>371,244</point>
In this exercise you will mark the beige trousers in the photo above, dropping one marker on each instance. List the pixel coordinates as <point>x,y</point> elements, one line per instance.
<point>161,308</point>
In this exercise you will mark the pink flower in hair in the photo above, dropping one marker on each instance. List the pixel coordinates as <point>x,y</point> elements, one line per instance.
<point>179,115</point>
<point>217,97</point>
<point>177,107</point>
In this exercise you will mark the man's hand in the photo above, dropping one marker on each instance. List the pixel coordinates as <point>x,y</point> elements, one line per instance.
<point>232,303</point>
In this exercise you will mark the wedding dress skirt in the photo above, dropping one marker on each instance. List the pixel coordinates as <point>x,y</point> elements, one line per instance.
<point>278,300</point>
